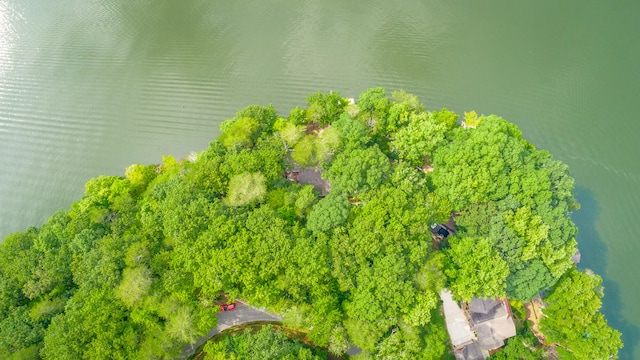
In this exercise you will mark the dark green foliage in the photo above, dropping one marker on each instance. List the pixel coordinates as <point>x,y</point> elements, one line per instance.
<point>266,343</point>
<point>475,269</point>
<point>328,213</point>
<point>358,170</point>
<point>374,106</point>
<point>520,347</point>
<point>524,284</point>
<point>133,269</point>
<point>515,196</point>
<point>325,108</point>
<point>352,132</point>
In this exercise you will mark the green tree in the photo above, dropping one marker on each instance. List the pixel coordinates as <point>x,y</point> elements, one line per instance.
<point>419,138</point>
<point>291,134</point>
<point>521,347</point>
<point>402,97</point>
<point>240,132</point>
<point>135,284</point>
<point>475,269</point>
<point>352,132</point>
<point>328,213</point>
<point>526,283</point>
<point>247,188</point>
<point>325,108</point>
<point>267,343</point>
<point>358,170</point>
<point>573,322</point>
<point>305,152</point>
<point>374,106</point>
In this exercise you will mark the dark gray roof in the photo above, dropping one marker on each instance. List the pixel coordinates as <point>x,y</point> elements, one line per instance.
<point>491,321</point>
<point>469,352</point>
<point>484,306</point>
<point>481,310</point>
<point>488,338</point>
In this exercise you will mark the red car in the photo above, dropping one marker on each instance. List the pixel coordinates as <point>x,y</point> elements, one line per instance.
<point>227,307</point>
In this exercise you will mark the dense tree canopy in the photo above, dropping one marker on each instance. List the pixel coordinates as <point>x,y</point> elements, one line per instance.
<point>135,268</point>
<point>266,343</point>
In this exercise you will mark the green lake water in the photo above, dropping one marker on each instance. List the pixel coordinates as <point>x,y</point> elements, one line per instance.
<point>88,87</point>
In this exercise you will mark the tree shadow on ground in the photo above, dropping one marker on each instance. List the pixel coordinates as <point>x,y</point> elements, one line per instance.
<point>594,257</point>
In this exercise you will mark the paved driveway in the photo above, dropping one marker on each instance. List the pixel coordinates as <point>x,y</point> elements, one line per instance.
<point>240,315</point>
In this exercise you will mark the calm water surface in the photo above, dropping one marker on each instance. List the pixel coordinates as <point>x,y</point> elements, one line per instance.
<point>88,87</point>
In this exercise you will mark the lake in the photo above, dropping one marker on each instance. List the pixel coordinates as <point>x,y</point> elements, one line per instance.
<point>88,87</point>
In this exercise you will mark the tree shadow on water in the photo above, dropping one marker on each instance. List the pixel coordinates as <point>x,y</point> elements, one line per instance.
<point>594,257</point>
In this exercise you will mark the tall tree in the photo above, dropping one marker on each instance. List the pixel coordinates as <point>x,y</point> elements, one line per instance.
<point>573,322</point>
<point>474,269</point>
<point>358,170</point>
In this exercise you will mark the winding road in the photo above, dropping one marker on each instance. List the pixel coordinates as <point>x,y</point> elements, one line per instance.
<point>240,315</point>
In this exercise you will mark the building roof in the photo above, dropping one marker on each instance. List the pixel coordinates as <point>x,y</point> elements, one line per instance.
<point>485,309</point>
<point>491,321</point>
<point>457,324</point>
<point>576,257</point>
<point>470,352</point>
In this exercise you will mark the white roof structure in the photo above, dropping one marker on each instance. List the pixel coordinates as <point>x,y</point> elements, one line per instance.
<point>457,324</point>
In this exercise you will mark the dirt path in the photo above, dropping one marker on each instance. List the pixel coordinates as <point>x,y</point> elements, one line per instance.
<point>534,314</point>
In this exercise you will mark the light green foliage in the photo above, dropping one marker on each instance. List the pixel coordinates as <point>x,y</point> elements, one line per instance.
<point>135,284</point>
<point>420,313</point>
<point>530,227</point>
<point>180,325</point>
<point>240,133</point>
<point>471,119</point>
<point>312,150</point>
<point>415,142</point>
<point>398,117</point>
<point>292,133</point>
<point>265,115</point>
<point>475,269</point>
<point>358,170</point>
<point>304,201</point>
<point>305,152</point>
<point>402,97</point>
<point>573,322</point>
<point>140,176</point>
<point>297,116</point>
<point>448,118</point>
<point>339,343</point>
<point>267,157</point>
<point>328,143</point>
<point>46,308</point>
<point>474,168</point>
<point>247,188</point>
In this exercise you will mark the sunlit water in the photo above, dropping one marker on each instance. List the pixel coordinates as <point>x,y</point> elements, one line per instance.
<point>88,87</point>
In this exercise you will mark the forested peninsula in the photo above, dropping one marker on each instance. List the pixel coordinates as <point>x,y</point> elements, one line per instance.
<point>325,217</point>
